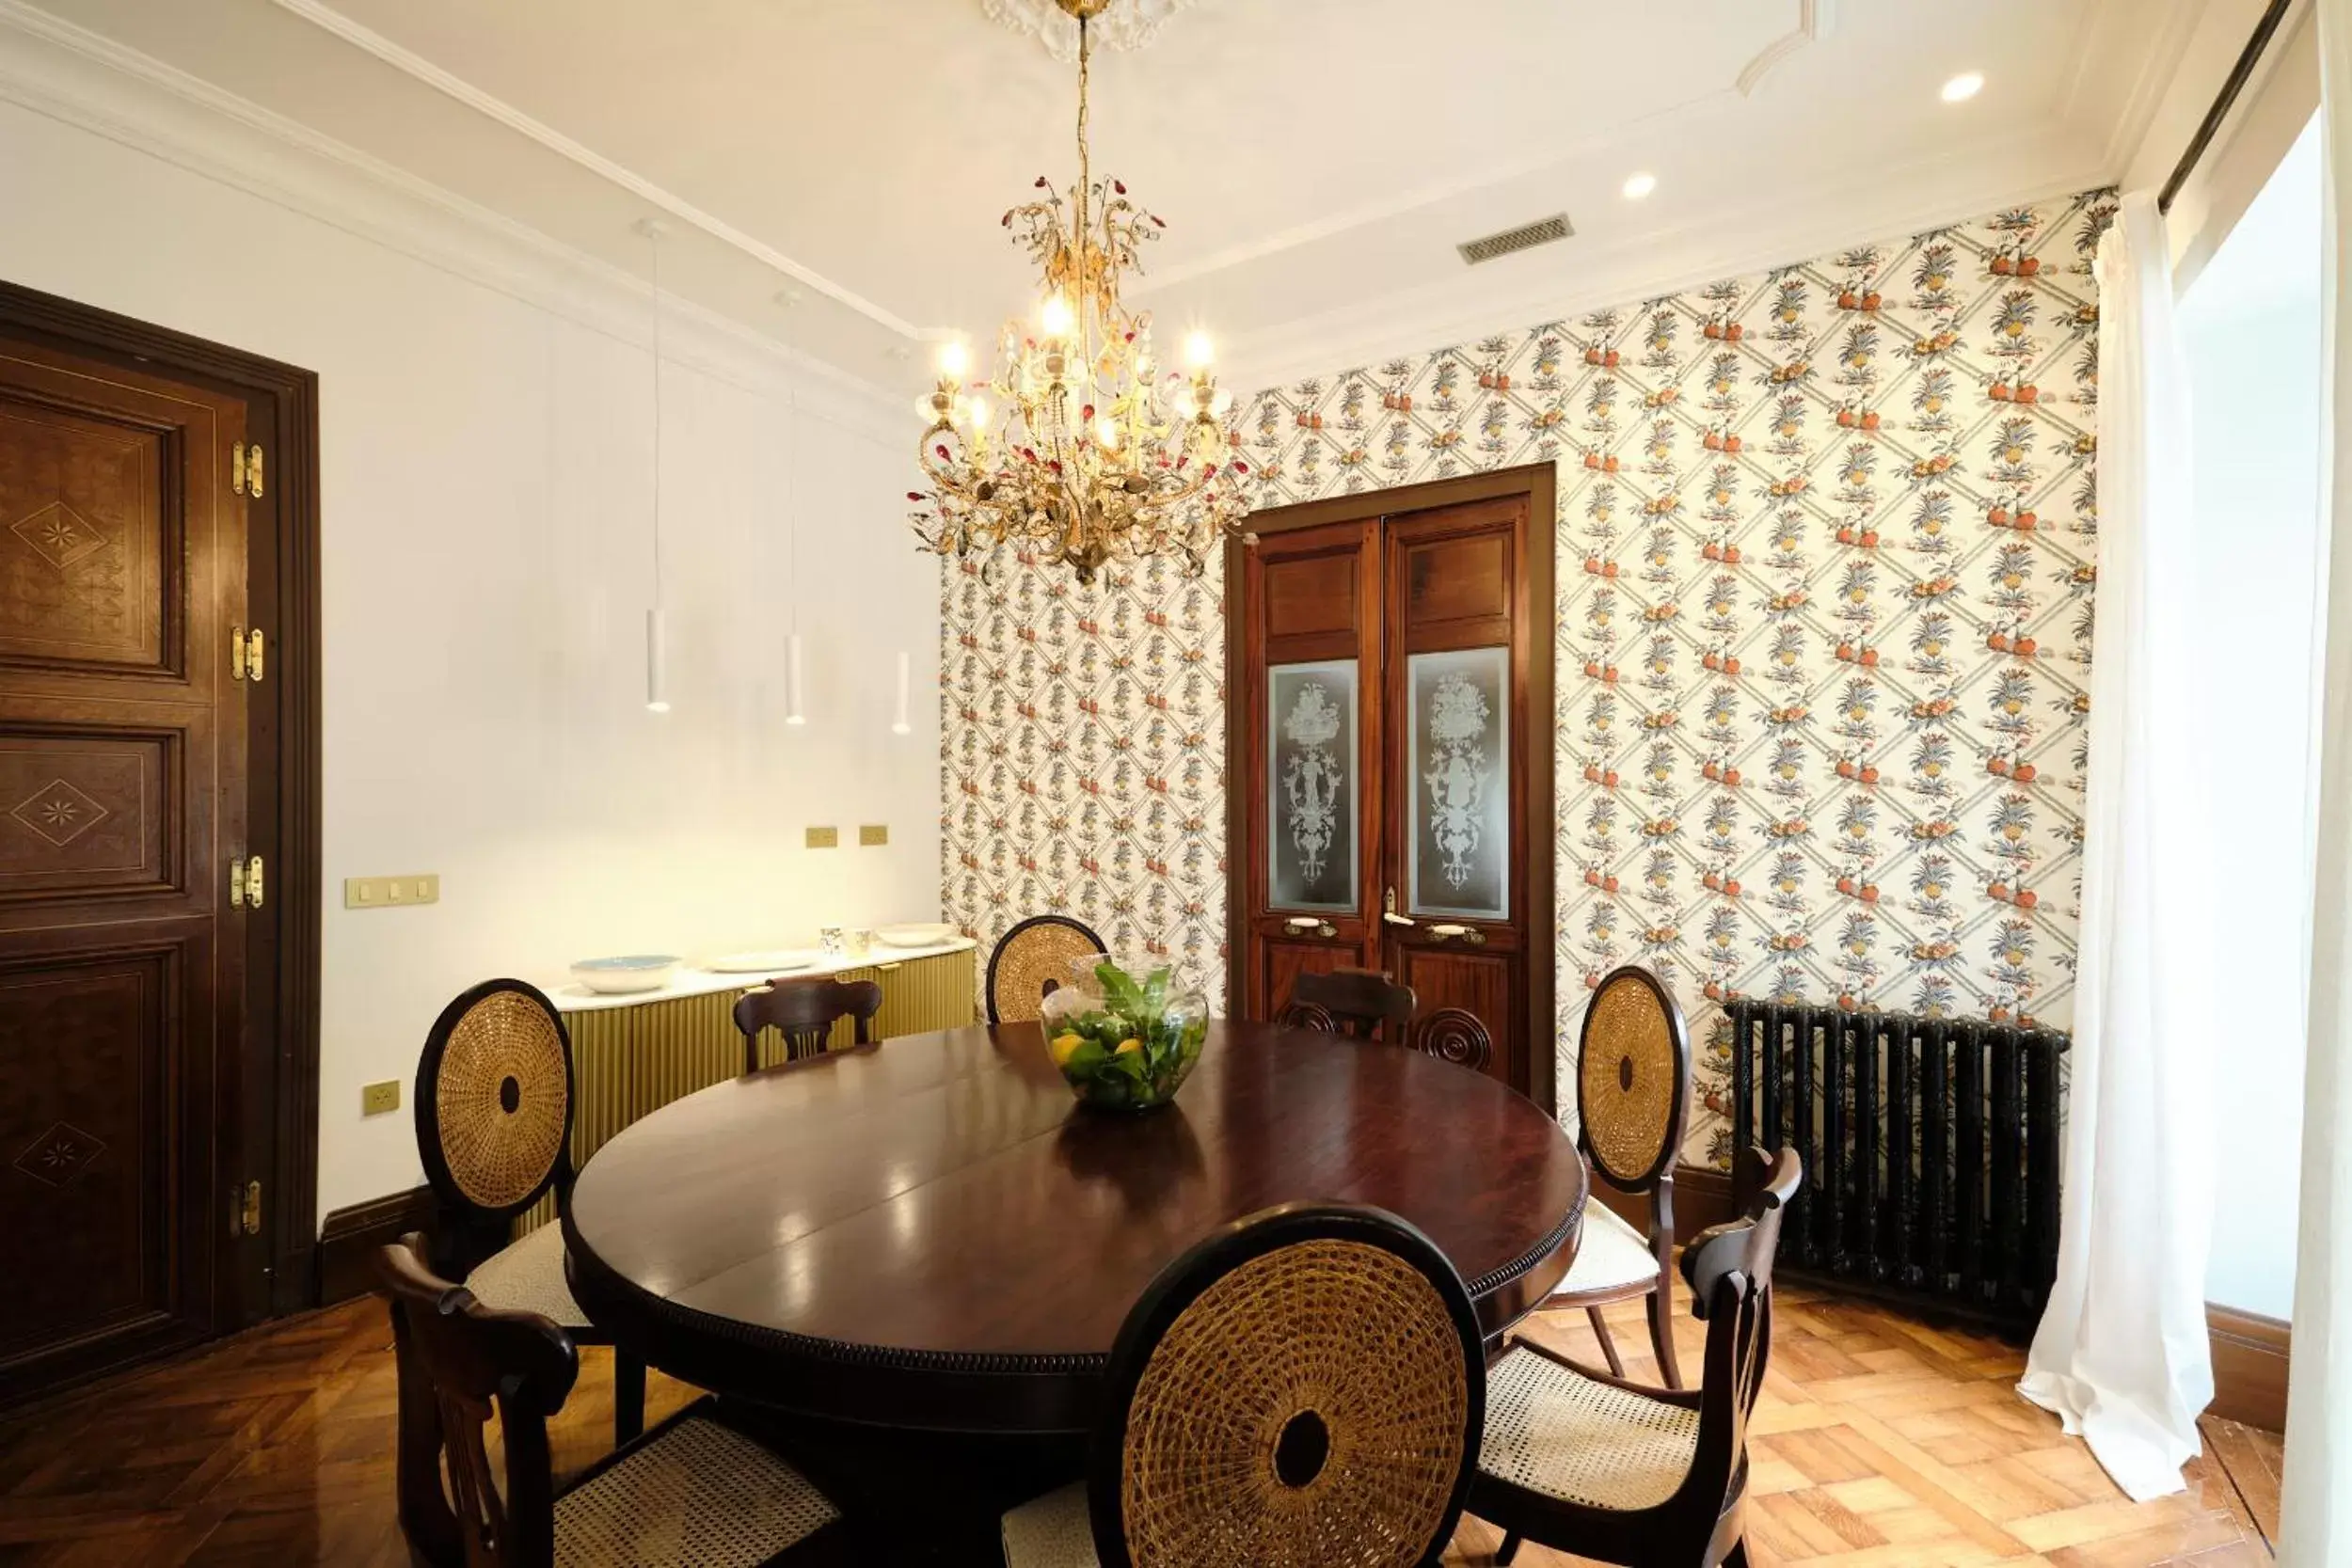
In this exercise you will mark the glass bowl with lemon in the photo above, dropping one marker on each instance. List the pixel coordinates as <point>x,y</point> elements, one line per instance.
<point>1122,1042</point>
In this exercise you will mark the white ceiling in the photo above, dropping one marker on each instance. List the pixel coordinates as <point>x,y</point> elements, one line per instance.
<point>1316,160</point>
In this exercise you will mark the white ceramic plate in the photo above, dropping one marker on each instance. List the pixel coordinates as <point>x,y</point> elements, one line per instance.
<point>914,936</point>
<point>621,976</point>
<point>783,961</point>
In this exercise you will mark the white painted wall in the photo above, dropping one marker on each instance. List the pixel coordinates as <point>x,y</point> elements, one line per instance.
<point>2251,325</point>
<point>488,498</point>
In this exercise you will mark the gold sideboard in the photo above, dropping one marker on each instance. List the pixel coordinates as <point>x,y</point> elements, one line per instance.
<point>630,1061</point>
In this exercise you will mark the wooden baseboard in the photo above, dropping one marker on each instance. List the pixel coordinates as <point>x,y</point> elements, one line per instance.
<point>348,1240</point>
<point>2249,1368</point>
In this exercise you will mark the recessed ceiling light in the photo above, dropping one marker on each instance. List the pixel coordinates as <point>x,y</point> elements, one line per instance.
<point>1963,86</point>
<point>1640,185</point>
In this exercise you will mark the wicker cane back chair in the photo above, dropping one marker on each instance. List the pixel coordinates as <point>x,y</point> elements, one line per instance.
<point>1301,1391</point>
<point>1031,961</point>
<point>695,1490</point>
<point>805,1013</point>
<point>1651,1478</point>
<point>494,1103</point>
<point>1633,1091</point>
<point>1361,1003</point>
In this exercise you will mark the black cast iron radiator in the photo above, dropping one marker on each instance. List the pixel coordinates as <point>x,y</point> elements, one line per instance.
<point>1930,1149</point>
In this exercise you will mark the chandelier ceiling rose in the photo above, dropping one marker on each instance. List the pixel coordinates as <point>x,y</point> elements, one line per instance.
<point>1122,24</point>
<point>1070,439</point>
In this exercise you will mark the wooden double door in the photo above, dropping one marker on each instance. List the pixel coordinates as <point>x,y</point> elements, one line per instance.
<point>1390,749</point>
<point>139,865</point>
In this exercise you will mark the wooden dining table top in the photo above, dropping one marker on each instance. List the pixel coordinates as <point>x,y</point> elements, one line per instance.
<point>931,1232</point>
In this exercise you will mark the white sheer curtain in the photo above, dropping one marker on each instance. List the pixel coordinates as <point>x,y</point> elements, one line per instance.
<point>2315,1523</point>
<point>2121,1353</point>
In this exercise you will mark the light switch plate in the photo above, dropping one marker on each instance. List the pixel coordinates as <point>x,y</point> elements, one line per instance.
<point>873,833</point>
<point>377,1099</point>
<point>385,892</point>
<point>824,838</point>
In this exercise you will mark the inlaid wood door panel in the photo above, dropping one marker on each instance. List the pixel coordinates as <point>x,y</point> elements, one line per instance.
<point>1391,692</point>
<point>91,560</point>
<point>122,802</point>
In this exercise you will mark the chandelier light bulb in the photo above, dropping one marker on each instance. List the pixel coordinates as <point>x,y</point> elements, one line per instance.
<point>1639,185</point>
<point>1055,317</point>
<point>1963,86</point>
<point>1107,434</point>
<point>1200,351</point>
<point>978,410</point>
<point>954,359</point>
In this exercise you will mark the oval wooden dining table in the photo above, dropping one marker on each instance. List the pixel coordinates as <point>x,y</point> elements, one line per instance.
<point>929,1233</point>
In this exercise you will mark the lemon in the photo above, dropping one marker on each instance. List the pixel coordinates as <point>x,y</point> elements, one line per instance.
<point>1063,1046</point>
<point>1130,1043</point>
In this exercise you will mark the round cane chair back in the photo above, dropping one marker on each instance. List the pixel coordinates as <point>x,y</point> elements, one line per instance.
<point>494,1100</point>
<point>1031,961</point>
<point>1304,1390</point>
<point>1632,1079</point>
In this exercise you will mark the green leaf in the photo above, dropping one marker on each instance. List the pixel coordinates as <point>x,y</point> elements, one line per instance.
<point>1120,994</point>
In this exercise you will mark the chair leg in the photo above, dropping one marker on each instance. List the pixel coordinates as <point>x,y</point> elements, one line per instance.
<point>1608,1346</point>
<point>1510,1547</point>
<point>1661,1334</point>
<point>628,1397</point>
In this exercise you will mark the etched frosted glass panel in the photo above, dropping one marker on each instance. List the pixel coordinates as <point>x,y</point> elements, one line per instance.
<point>1459,764</point>
<point>1312,786</point>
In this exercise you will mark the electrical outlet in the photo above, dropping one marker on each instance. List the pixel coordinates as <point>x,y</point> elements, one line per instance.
<point>383,892</point>
<point>873,833</point>
<point>377,1099</point>
<point>824,838</point>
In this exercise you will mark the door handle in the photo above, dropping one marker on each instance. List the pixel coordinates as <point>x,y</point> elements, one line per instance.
<point>1471,935</point>
<point>1388,910</point>
<point>1316,924</point>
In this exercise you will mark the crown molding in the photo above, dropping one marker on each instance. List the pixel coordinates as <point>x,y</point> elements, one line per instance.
<point>67,74</point>
<point>1942,191</point>
<point>1816,21</point>
<point>495,108</point>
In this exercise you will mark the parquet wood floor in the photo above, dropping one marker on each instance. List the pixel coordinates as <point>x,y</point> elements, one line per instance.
<point>1881,1443</point>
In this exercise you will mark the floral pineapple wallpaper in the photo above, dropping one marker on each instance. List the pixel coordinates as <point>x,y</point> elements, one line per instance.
<point>1827,540</point>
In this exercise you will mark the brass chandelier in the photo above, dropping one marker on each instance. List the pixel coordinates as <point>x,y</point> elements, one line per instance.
<point>1090,453</point>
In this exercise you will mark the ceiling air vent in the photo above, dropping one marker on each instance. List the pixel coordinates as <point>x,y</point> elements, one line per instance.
<point>1527,236</point>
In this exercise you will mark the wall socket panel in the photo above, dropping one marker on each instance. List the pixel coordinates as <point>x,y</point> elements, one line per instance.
<point>377,1099</point>
<point>387,893</point>
<point>824,838</point>
<point>873,833</point>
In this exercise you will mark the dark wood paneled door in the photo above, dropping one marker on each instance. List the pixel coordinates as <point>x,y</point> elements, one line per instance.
<point>123,804</point>
<point>1393,753</point>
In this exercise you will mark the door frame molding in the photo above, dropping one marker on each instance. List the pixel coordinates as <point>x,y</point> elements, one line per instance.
<point>1539,482</point>
<point>282,402</point>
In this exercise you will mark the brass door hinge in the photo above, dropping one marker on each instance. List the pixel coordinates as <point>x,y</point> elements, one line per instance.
<point>245,469</point>
<point>249,1211</point>
<point>244,654</point>
<point>245,883</point>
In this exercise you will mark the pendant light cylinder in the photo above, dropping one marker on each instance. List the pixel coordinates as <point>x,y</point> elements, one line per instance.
<point>793,713</point>
<point>899,725</point>
<point>657,664</point>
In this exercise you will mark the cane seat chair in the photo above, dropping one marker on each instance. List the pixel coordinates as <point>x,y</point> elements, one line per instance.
<point>1301,1391</point>
<point>695,1492</point>
<point>805,1013</point>
<point>1632,1093</point>
<point>1361,1003</point>
<point>1652,1478</point>
<point>1455,1034</point>
<point>494,1104</point>
<point>1032,961</point>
